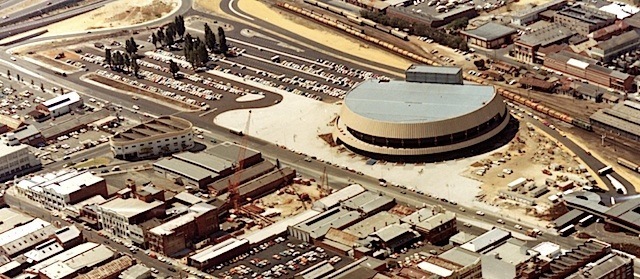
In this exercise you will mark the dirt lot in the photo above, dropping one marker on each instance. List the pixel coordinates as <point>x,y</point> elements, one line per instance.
<point>287,202</point>
<point>528,155</point>
<point>57,64</point>
<point>116,14</point>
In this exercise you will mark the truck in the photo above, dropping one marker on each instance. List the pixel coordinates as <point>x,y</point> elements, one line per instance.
<point>533,232</point>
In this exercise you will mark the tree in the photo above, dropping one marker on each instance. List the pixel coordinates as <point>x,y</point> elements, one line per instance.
<point>179,25</point>
<point>8,74</point>
<point>131,47</point>
<point>135,67</point>
<point>169,36</point>
<point>188,42</point>
<point>126,60</point>
<point>154,39</point>
<point>173,68</point>
<point>223,41</point>
<point>107,56</point>
<point>460,23</point>
<point>18,77</point>
<point>210,38</point>
<point>202,54</point>
<point>160,35</point>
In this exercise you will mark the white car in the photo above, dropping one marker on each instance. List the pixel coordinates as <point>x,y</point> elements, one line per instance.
<point>480,213</point>
<point>518,227</point>
<point>136,107</point>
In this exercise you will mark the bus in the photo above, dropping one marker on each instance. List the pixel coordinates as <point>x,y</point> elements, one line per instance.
<point>605,170</point>
<point>586,221</point>
<point>567,230</point>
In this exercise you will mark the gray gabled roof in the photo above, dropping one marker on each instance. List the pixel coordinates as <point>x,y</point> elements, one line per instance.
<point>490,31</point>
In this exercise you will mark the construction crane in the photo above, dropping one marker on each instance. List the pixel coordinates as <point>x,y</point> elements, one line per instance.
<point>324,183</point>
<point>234,182</point>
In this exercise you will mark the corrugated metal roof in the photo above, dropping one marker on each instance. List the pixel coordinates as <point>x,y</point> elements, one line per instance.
<point>410,102</point>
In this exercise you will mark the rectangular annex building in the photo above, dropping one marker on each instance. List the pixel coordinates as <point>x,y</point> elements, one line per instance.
<point>491,35</point>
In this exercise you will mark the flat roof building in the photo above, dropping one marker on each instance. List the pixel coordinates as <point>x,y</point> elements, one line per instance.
<point>117,215</point>
<point>528,45</point>
<point>431,74</point>
<point>159,136</point>
<point>230,151</point>
<point>526,16</point>
<point>43,251</point>
<point>183,231</point>
<point>507,261</point>
<point>15,158</point>
<point>394,237</point>
<point>57,190</point>
<point>245,175</point>
<point>66,269</point>
<point>610,266</point>
<point>587,69</point>
<point>491,35</point>
<point>137,271</point>
<point>607,50</point>
<point>583,19</point>
<point>184,172</point>
<point>469,262</point>
<point>11,218</point>
<point>278,228</point>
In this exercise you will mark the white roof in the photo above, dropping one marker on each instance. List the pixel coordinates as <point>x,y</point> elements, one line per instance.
<point>68,254</point>
<point>278,227</point>
<point>546,248</point>
<point>75,183</point>
<point>437,270</point>
<point>135,272</point>
<point>169,227</point>
<point>577,63</point>
<point>218,249</point>
<point>44,251</point>
<point>620,10</point>
<point>129,207</point>
<point>337,197</point>
<point>188,197</point>
<point>517,182</point>
<point>62,182</point>
<point>485,240</point>
<point>88,259</point>
<point>62,101</point>
<point>22,231</point>
<point>9,266</point>
<point>9,218</point>
<point>10,149</point>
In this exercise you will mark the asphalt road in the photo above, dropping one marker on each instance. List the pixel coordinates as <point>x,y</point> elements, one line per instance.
<point>90,235</point>
<point>338,177</point>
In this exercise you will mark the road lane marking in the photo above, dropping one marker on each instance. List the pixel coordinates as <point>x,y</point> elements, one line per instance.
<point>207,112</point>
<point>237,13</point>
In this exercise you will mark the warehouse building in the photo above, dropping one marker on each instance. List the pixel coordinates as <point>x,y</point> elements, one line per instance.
<point>434,226</point>
<point>57,190</point>
<point>622,120</point>
<point>526,16</point>
<point>61,105</point>
<point>219,253</point>
<point>512,259</point>
<point>610,266</point>
<point>10,218</point>
<point>160,136</point>
<point>487,240</point>
<point>527,47</point>
<point>117,215</point>
<point>399,120</point>
<point>394,237</point>
<point>24,237</point>
<point>491,35</point>
<point>230,151</point>
<point>432,74</point>
<point>317,226</point>
<point>243,176</point>
<point>15,158</point>
<point>468,261</point>
<point>70,268</point>
<point>336,198</point>
<point>194,169</point>
<point>180,233</point>
<point>607,50</point>
<point>278,228</point>
<point>587,69</point>
<point>30,135</point>
<point>583,19</point>
<point>369,203</point>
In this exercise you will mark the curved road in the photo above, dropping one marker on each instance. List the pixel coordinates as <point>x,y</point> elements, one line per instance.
<point>338,176</point>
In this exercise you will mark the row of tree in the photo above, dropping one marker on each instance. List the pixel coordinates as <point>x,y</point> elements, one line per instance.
<point>420,29</point>
<point>167,36</point>
<point>120,61</point>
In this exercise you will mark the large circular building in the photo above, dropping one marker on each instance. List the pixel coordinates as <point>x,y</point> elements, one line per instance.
<point>432,112</point>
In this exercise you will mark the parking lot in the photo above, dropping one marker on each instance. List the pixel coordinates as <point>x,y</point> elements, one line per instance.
<point>279,259</point>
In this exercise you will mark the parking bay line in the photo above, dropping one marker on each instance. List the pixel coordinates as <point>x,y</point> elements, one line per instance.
<point>207,112</point>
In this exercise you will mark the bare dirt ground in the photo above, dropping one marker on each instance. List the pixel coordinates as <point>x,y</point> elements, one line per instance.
<point>528,155</point>
<point>286,200</point>
<point>116,14</point>
<point>310,30</point>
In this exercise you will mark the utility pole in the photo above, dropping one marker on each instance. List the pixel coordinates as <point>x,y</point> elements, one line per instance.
<point>604,136</point>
